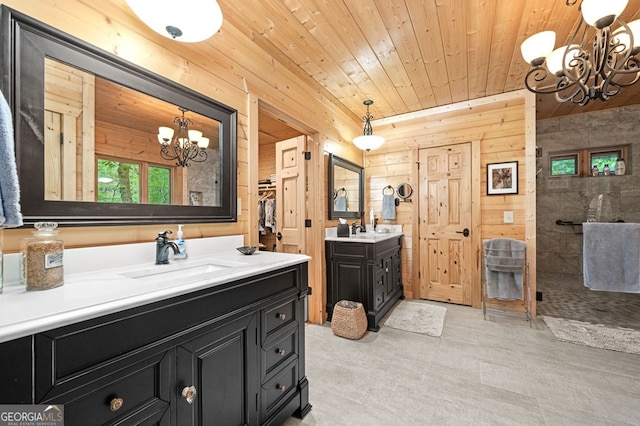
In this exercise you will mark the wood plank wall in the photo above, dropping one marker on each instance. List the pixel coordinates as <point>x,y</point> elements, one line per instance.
<point>231,68</point>
<point>228,67</point>
<point>502,126</point>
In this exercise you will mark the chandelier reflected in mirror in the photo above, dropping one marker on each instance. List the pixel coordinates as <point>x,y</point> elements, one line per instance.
<point>589,66</point>
<point>183,144</point>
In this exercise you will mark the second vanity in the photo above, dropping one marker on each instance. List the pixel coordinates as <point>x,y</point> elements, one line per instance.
<point>216,339</point>
<point>365,268</point>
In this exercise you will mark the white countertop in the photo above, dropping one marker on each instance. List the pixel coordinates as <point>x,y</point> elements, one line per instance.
<point>87,295</point>
<point>384,232</point>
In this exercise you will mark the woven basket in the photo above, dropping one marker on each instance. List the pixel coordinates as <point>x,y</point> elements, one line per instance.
<point>349,320</point>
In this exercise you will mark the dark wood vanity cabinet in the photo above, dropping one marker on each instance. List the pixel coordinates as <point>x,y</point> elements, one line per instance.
<point>370,273</point>
<point>232,354</point>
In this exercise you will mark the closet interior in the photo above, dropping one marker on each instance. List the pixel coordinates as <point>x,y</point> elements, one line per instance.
<point>271,131</point>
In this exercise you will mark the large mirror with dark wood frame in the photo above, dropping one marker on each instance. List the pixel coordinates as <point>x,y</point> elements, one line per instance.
<point>88,146</point>
<point>346,188</point>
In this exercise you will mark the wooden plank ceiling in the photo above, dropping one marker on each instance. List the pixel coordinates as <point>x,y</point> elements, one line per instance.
<point>409,55</point>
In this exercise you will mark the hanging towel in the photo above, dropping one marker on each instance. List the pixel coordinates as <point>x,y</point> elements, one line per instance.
<point>611,256</point>
<point>388,207</point>
<point>341,203</point>
<point>504,260</point>
<point>10,215</point>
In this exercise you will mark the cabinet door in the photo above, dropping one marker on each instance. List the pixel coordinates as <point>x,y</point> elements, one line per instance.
<point>346,282</point>
<point>221,367</point>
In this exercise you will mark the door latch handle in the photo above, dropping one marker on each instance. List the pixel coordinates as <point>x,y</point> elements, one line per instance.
<point>465,232</point>
<point>279,236</point>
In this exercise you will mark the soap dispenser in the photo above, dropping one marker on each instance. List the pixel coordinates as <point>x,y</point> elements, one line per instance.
<point>182,247</point>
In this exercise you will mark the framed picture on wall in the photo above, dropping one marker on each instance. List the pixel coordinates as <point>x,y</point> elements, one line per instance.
<point>502,178</point>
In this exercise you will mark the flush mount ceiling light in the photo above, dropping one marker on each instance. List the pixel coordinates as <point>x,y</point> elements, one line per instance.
<point>586,68</point>
<point>368,140</point>
<point>187,20</point>
<point>186,145</point>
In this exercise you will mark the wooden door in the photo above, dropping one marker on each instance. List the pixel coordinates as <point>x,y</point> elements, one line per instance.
<point>69,147</point>
<point>290,195</point>
<point>445,213</point>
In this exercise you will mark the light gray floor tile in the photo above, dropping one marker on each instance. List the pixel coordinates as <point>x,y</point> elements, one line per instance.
<point>496,372</point>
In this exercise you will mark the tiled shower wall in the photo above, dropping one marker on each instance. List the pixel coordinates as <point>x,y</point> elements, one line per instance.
<point>559,248</point>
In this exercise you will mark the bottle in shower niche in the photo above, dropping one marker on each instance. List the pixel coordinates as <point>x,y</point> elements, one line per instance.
<point>606,171</point>
<point>42,258</point>
<point>621,167</point>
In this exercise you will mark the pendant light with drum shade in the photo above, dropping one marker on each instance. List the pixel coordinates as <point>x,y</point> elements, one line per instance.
<point>368,141</point>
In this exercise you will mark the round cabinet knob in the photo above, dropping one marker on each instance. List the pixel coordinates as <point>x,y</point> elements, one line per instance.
<point>281,388</point>
<point>116,404</point>
<point>281,352</point>
<point>189,394</point>
<point>282,316</point>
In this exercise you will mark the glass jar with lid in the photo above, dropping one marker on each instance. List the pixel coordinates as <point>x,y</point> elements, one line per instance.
<point>42,258</point>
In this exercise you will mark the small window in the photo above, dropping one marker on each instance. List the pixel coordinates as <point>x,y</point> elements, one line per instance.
<point>159,185</point>
<point>605,159</point>
<point>564,165</point>
<point>118,181</point>
<point>124,181</point>
<point>584,162</point>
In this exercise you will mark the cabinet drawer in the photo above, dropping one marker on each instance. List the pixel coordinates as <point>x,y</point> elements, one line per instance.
<point>279,353</point>
<point>353,251</point>
<point>276,390</point>
<point>141,391</point>
<point>278,317</point>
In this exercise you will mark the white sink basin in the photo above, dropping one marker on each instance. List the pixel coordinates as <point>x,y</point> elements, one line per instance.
<point>183,272</point>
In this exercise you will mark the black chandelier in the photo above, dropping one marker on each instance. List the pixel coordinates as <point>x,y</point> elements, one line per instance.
<point>586,68</point>
<point>186,145</point>
<point>368,141</point>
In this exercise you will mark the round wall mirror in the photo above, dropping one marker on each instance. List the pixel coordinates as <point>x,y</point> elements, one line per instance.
<point>404,191</point>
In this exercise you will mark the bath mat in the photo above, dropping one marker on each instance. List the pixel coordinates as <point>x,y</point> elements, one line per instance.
<point>595,335</point>
<point>417,317</point>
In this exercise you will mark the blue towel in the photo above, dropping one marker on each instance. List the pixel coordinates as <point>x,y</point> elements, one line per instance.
<point>341,204</point>
<point>10,215</point>
<point>388,207</point>
<point>611,256</point>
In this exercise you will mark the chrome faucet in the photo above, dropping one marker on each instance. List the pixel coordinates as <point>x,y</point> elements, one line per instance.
<point>162,248</point>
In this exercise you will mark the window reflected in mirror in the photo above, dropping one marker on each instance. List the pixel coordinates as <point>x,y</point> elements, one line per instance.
<point>101,144</point>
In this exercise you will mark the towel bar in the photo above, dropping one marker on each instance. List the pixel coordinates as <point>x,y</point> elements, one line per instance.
<point>505,256</point>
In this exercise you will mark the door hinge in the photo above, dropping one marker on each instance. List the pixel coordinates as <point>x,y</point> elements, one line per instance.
<point>307,155</point>
<point>307,223</point>
<point>61,138</point>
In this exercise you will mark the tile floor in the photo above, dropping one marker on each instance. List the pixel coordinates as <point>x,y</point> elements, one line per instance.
<point>611,309</point>
<point>494,372</point>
